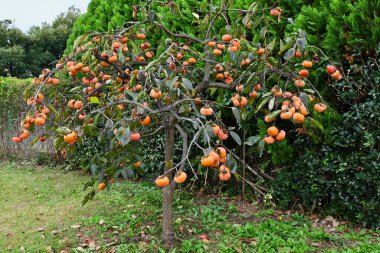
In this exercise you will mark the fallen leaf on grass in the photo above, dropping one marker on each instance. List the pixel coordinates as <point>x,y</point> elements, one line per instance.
<point>92,244</point>
<point>335,223</point>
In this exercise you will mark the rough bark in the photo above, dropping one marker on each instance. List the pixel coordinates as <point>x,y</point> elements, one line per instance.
<point>167,192</point>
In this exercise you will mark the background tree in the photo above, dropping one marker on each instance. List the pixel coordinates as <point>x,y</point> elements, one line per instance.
<point>23,55</point>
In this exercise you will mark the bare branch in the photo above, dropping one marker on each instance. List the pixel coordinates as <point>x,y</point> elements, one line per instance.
<point>258,174</point>
<point>155,131</point>
<point>220,85</point>
<point>127,102</point>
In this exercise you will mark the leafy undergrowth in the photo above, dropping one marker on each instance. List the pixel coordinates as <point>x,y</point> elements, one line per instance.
<point>41,212</point>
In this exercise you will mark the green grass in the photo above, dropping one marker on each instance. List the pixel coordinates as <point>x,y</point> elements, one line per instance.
<point>131,213</point>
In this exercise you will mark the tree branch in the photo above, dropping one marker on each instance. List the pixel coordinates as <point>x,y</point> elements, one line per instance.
<point>185,36</point>
<point>128,102</point>
<point>154,132</point>
<point>258,174</point>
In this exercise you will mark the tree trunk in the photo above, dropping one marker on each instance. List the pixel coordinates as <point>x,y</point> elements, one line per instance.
<point>167,192</point>
<point>244,167</point>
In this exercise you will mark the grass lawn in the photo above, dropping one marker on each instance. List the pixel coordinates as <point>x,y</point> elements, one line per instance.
<point>41,212</point>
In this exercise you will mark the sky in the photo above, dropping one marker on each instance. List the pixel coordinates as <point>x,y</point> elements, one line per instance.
<point>26,13</point>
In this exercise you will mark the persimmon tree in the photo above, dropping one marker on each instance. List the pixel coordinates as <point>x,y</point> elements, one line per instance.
<point>126,87</point>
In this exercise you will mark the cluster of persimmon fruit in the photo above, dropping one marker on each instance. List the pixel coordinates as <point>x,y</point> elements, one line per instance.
<point>163,180</point>
<point>274,134</point>
<point>292,106</point>
<point>37,119</point>
<point>231,45</point>
<point>40,116</point>
<point>217,158</point>
<point>213,159</point>
<point>334,72</point>
<point>217,130</point>
<point>46,78</point>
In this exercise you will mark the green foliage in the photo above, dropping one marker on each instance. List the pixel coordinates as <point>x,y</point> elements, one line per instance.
<point>185,15</point>
<point>25,54</point>
<point>341,26</point>
<point>281,153</point>
<point>341,175</point>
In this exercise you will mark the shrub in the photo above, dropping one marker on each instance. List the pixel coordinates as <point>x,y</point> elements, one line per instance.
<point>341,26</point>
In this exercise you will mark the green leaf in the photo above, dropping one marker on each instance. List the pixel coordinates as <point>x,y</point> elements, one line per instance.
<point>301,43</point>
<point>305,98</point>
<point>275,113</point>
<point>88,197</point>
<point>236,137</point>
<point>316,124</point>
<point>51,107</point>
<point>272,61</point>
<point>271,45</point>
<point>123,173</point>
<point>252,140</point>
<point>79,41</point>
<point>289,54</point>
<point>287,46</point>
<point>271,103</point>
<point>75,89</point>
<point>93,169</point>
<point>87,56</point>
<point>236,112</point>
<point>195,15</point>
<point>123,135</point>
<point>245,113</point>
<point>252,10</point>
<point>63,130</point>
<point>171,83</point>
<point>121,56</point>
<point>267,94</point>
<point>309,91</point>
<point>35,140</point>
<point>263,103</point>
<point>96,119</point>
<point>261,147</point>
<point>90,183</point>
<point>109,124</point>
<point>263,32</point>
<point>187,84</point>
<point>57,142</point>
<point>133,81</point>
<point>94,100</point>
<point>78,97</point>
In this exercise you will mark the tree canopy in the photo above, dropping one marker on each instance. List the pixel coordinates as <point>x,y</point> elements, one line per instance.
<point>24,54</point>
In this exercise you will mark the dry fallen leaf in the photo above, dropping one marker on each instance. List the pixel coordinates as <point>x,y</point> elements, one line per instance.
<point>92,244</point>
